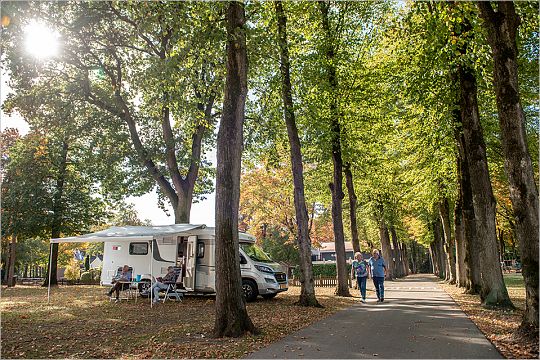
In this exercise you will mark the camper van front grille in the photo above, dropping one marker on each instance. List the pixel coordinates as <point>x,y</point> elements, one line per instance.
<point>280,277</point>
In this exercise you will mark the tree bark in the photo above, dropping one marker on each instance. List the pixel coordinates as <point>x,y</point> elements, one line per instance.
<point>307,292</point>
<point>414,269</point>
<point>231,315</point>
<point>405,259</point>
<point>439,249</point>
<point>352,207</point>
<point>493,290</point>
<point>472,253</point>
<point>398,267</point>
<point>434,262</point>
<point>502,28</point>
<point>449,245</point>
<point>11,263</point>
<point>461,265</point>
<point>385,249</point>
<point>58,214</point>
<point>337,186</point>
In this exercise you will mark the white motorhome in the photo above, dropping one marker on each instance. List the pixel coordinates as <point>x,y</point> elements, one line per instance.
<point>149,250</point>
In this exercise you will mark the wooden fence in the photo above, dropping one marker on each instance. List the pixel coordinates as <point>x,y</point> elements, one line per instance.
<point>320,281</point>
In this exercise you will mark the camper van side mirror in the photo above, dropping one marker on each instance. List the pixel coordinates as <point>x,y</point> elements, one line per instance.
<point>243,260</point>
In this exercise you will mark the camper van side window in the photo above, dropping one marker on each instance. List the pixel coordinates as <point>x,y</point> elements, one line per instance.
<point>138,248</point>
<point>200,250</point>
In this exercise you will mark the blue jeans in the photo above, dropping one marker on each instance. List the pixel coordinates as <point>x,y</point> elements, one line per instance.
<point>156,288</point>
<point>362,286</point>
<point>379,286</point>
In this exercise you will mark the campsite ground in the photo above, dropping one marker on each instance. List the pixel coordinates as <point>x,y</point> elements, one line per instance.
<point>82,323</point>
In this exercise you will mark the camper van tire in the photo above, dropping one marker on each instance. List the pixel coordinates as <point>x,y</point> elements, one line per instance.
<point>144,288</point>
<point>250,290</point>
<point>269,296</point>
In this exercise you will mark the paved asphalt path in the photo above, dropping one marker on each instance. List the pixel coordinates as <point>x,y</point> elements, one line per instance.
<point>417,320</point>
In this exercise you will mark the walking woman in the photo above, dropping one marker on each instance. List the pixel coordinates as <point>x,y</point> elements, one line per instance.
<point>359,269</point>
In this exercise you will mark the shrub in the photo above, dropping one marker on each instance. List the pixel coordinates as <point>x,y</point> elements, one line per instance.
<point>323,270</point>
<point>86,276</point>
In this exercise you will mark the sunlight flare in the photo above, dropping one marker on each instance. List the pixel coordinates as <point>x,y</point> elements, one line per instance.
<point>41,41</point>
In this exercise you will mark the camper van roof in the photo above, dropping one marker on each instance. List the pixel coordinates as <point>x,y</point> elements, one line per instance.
<point>146,233</point>
<point>129,233</point>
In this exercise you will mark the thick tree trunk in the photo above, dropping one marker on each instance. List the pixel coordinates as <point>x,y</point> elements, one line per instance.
<point>472,252</point>
<point>461,265</point>
<point>11,263</point>
<point>386,249</point>
<point>58,214</point>
<point>182,211</point>
<point>502,28</point>
<point>439,249</point>
<point>231,315</point>
<point>307,292</point>
<point>352,208</point>
<point>396,261</point>
<point>449,245</point>
<point>337,186</point>
<point>493,290</point>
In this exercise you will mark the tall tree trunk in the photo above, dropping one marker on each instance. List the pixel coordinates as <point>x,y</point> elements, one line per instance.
<point>398,267</point>
<point>231,315</point>
<point>337,186</point>
<point>434,259</point>
<point>352,207</point>
<point>502,28</point>
<point>414,269</point>
<point>500,241</point>
<point>461,265</point>
<point>405,259</point>
<point>449,245</point>
<point>57,220</point>
<point>307,292</point>
<point>472,252</point>
<point>439,248</point>
<point>11,263</point>
<point>493,290</point>
<point>386,249</point>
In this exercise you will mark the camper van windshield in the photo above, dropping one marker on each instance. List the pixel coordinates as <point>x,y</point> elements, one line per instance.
<point>255,253</point>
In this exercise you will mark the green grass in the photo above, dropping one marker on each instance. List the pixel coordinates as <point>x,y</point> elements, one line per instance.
<point>514,280</point>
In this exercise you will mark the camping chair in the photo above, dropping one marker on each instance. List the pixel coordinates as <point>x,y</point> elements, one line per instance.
<point>175,289</point>
<point>127,292</point>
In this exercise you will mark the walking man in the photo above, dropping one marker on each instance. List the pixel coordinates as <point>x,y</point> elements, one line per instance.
<point>377,271</point>
<point>359,269</point>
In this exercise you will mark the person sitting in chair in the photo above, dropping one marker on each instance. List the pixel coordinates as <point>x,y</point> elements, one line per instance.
<point>121,282</point>
<point>162,283</point>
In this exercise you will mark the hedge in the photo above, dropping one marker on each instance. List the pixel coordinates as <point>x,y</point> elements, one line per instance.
<point>324,270</point>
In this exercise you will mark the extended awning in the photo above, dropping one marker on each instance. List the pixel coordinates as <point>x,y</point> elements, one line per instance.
<point>126,233</point>
<point>129,233</point>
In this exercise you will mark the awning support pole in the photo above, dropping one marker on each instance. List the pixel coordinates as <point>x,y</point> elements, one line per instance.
<point>151,275</point>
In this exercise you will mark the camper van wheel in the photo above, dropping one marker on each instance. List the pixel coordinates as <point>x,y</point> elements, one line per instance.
<point>144,288</point>
<point>269,296</point>
<point>250,290</point>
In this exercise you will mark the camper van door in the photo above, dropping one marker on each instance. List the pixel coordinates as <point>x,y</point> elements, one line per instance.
<point>191,260</point>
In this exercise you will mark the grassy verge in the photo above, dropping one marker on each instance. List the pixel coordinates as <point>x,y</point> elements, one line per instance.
<point>82,323</point>
<point>499,325</point>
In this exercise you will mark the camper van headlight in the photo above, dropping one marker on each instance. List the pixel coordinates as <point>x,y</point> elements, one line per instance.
<point>265,269</point>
